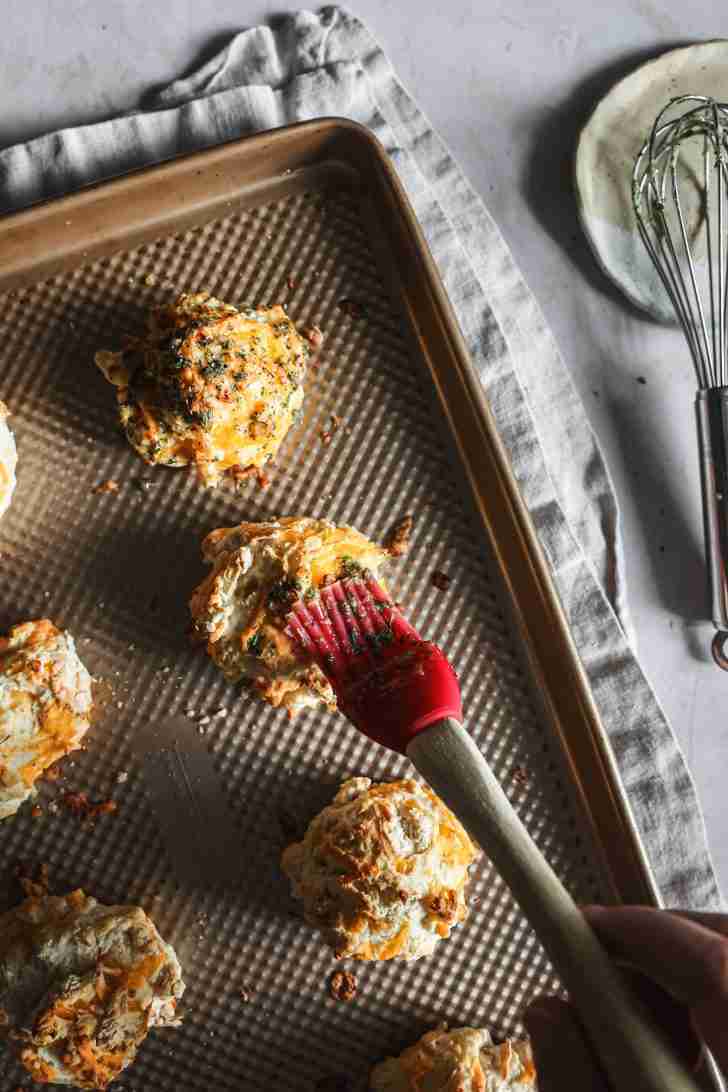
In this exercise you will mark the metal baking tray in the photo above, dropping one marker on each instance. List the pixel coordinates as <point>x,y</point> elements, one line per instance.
<point>311,216</point>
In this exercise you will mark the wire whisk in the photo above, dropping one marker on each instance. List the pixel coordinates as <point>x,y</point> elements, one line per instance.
<point>680,199</point>
<point>663,181</point>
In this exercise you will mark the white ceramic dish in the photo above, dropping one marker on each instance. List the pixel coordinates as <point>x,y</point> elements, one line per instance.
<point>606,151</point>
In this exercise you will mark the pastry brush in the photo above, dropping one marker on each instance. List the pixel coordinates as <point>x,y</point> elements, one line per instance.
<point>400,691</point>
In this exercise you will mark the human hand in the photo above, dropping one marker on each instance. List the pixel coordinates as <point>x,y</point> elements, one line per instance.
<point>686,954</point>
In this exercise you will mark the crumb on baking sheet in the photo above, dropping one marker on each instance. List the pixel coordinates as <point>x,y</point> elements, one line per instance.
<point>34,883</point>
<point>326,434</point>
<point>108,486</point>
<point>314,336</point>
<point>79,804</point>
<point>398,540</point>
<point>352,307</point>
<point>342,986</point>
<point>440,580</point>
<point>239,474</point>
<point>521,775</point>
<point>142,484</point>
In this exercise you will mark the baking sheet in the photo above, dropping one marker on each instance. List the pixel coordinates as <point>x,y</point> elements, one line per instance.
<point>204,810</point>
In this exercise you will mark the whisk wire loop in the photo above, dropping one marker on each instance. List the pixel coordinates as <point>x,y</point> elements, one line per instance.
<point>679,213</point>
<point>702,329</point>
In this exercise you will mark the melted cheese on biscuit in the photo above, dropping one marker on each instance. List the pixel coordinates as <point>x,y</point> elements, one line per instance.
<point>209,385</point>
<point>80,986</point>
<point>382,870</point>
<point>462,1060</point>
<point>45,702</point>
<point>8,460</point>
<point>259,569</point>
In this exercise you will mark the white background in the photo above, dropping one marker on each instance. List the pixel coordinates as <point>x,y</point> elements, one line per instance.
<point>508,85</point>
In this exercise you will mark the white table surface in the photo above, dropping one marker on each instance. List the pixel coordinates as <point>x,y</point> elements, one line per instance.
<point>507,84</point>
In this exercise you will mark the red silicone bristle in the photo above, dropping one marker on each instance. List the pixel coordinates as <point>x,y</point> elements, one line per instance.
<point>340,627</point>
<point>344,624</point>
<point>380,610</point>
<point>388,681</point>
<point>362,606</point>
<point>312,628</point>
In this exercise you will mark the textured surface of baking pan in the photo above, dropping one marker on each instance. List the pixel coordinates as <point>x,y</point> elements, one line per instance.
<point>314,217</point>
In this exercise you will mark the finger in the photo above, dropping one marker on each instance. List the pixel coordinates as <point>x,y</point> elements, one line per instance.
<point>717,922</point>
<point>673,1016</point>
<point>564,1062</point>
<point>688,959</point>
<point>711,1021</point>
<point>711,1018</point>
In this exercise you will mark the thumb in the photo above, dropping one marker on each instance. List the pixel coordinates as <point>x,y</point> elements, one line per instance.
<point>564,1062</point>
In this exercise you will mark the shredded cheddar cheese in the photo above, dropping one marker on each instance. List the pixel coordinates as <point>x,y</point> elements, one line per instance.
<point>258,571</point>
<point>461,1060</point>
<point>8,460</point>
<point>209,385</point>
<point>382,870</point>
<point>45,703</point>
<point>82,985</point>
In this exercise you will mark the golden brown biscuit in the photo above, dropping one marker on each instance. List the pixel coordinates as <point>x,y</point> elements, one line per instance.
<point>382,870</point>
<point>209,385</point>
<point>81,984</point>
<point>259,570</point>
<point>8,460</point>
<point>462,1060</point>
<point>45,703</point>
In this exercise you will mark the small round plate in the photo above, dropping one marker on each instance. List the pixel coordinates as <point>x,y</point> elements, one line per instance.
<point>605,155</point>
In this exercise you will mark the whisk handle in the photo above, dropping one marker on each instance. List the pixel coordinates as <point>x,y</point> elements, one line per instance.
<point>711,407</point>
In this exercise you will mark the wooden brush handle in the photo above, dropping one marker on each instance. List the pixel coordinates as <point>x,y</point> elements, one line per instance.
<point>633,1053</point>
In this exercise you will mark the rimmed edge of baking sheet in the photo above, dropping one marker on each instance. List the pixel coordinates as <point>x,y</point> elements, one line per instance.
<point>64,233</point>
